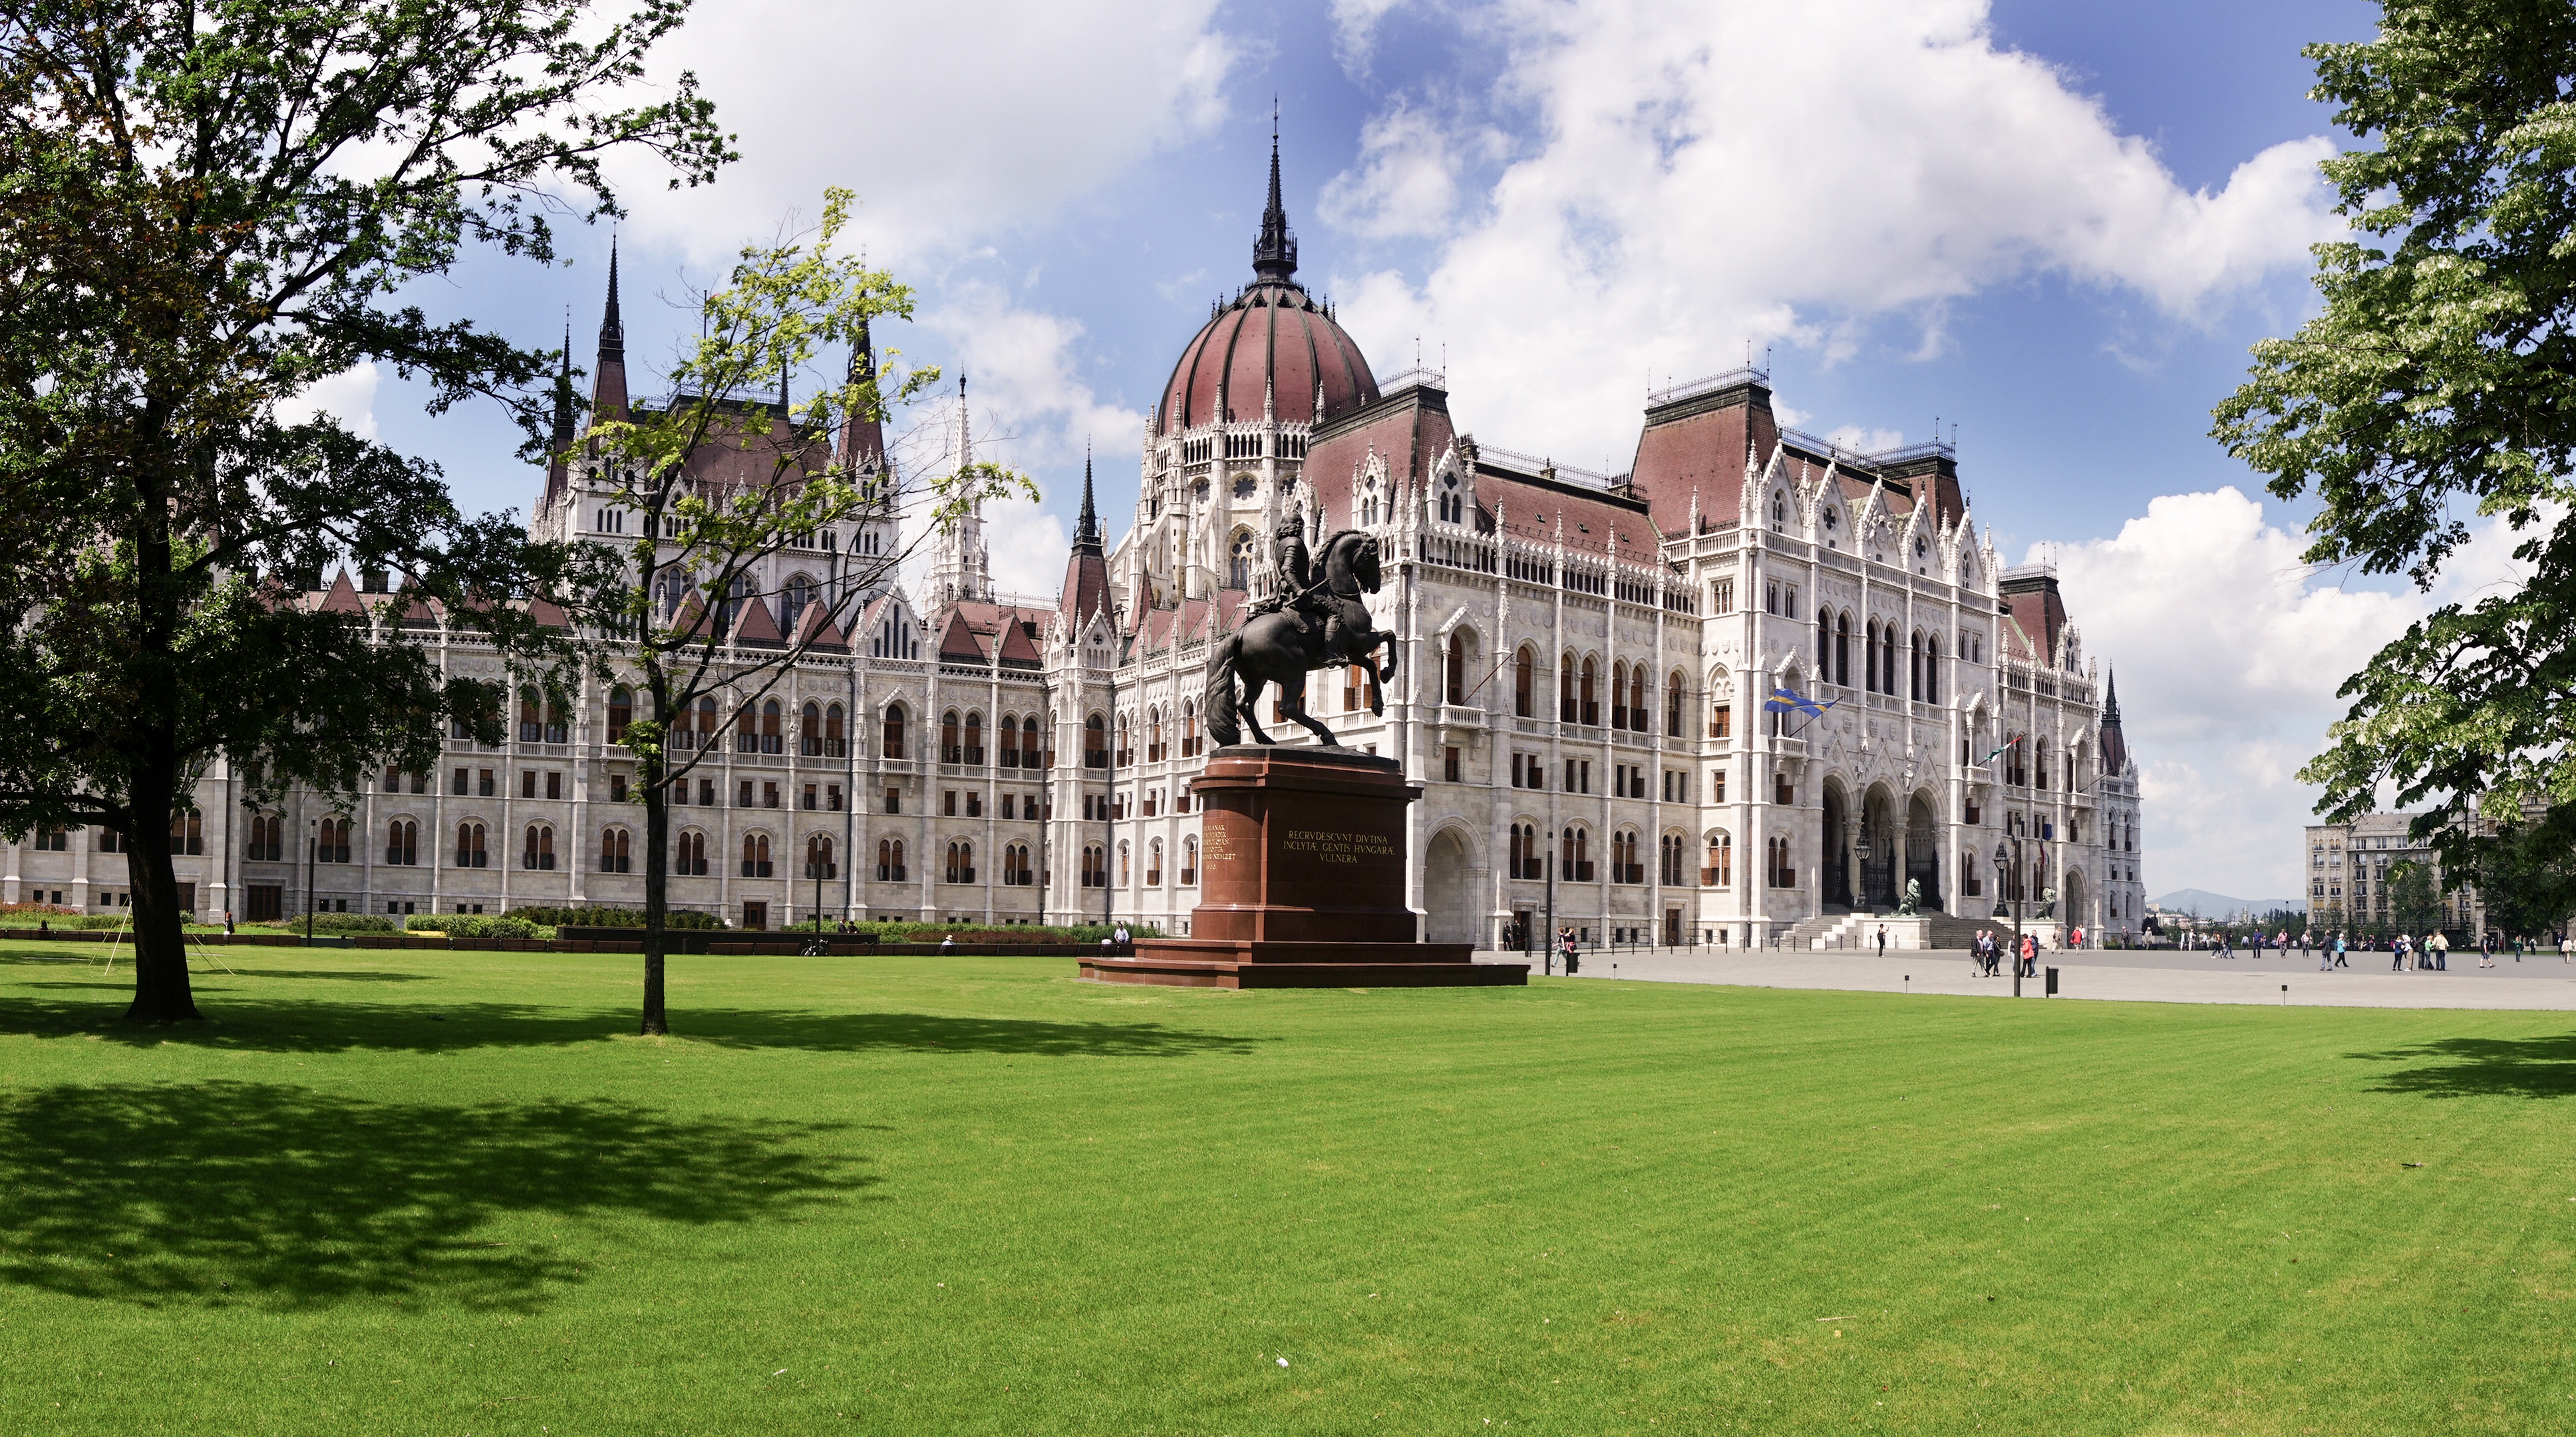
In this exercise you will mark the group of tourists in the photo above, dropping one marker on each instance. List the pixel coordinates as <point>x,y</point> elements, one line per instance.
<point>1986,956</point>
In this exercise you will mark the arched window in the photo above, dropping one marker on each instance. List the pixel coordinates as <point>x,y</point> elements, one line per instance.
<point>1719,872</point>
<point>1189,729</point>
<point>1010,745</point>
<point>1619,695</point>
<point>755,855</point>
<point>402,843</point>
<point>1528,860</point>
<point>1869,655</point>
<point>1126,742</point>
<point>818,858</point>
<point>1591,707</point>
<point>2039,763</point>
<point>1040,752</point>
<point>1574,856</point>
<point>1887,659</point>
<point>621,712</point>
<point>537,847</point>
<point>1841,671</point>
<point>689,856</point>
<point>1914,666</point>
<point>1640,718</point>
<point>961,863</point>
<point>1189,861</point>
<point>1368,513</point>
<point>1932,668</point>
<point>1126,870</point>
<point>557,731</point>
<point>333,843</point>
<point>1095,742</point>
<point>1624,866</point>
<point>1824,641</point>
<point>800,592</point>
<point>1453,507</point>
<point>1567,711</point>
<point>746,728</point>
<point>832,732</point>
<point>531,726</point>
<point>616,850</point>
<point>1095,867</point>
<point>470,852</point>
<point>1455,671</point>
<point>1154,864</point>
<point>1524,671</point>
<point>890,860</point>
<point>771,739</point>
<point>1154,734</point>
<point>1672,855</point>
<point>894,731</point>
<point>975,738</point>
<point>1238,563</point>
<point>1016,872</point>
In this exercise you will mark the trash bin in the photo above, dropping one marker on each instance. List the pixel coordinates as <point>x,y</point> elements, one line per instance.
<point>2051,990</point>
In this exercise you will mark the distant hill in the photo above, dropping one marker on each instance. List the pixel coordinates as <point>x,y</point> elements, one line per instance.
<point>2212,905</point>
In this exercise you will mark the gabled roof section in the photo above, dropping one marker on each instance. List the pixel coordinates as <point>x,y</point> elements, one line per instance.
<point>2031,601</point>
<point>815,630</point>
<point>755,628</point>
<point>341,597</point>
<point>1694,447</point>
<point>959,642</point>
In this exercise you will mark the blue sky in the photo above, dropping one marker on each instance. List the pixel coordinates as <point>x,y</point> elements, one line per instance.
<point>2057,225</point>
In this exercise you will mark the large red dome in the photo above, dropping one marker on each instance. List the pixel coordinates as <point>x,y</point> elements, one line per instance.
<point>1275,340</point>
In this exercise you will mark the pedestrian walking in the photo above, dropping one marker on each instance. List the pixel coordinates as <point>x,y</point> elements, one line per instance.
<point>2397,956</point>
<point>1882,940</point>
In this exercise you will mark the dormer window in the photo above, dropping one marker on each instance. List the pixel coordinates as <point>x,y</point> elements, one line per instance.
<point>1779,513</point>
<point>1453,506</point>
<point>1832,520</point>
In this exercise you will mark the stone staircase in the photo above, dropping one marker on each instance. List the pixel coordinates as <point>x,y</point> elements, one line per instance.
<point>1851,930</point>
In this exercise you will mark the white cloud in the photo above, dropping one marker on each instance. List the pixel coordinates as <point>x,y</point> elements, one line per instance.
<point>948,120</point>
<point>2228,651</point>
<point>1355,31</point>
<point>1033,410</point>
<point>1406,182</point>
<point>349,396</point>
<point>1704,173</point>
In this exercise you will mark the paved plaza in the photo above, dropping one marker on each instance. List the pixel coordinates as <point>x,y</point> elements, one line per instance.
<point>2124,976</point>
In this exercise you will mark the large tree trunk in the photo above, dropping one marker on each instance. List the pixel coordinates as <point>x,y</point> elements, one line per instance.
<point>161,992</point>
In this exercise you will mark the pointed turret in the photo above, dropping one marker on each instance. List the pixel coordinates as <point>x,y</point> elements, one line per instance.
<point>862,449</point>
<point>560,442</point>
<point>608,379</point>
<point>960,564</point>
<point>2115,744</point>
<point>1086,573</point>
<point>1274,255</point>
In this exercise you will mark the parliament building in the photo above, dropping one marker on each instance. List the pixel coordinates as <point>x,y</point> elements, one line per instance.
<point>1583,668</point>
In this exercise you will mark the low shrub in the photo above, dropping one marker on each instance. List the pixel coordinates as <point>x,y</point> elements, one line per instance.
<point>479,925</point>
<point>38,915</point>
<point>613,918</point>
<point>975,933</point>
<point>329,923</point>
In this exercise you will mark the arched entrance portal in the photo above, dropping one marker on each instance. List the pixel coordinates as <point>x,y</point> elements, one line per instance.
<point>1836,892</point>
<point>1923,850</point>
<point>2072,909</point>
<point>1449,890</point>
<point>1878,862</point>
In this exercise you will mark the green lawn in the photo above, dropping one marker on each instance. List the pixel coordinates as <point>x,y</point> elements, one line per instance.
<point>394,1192</point>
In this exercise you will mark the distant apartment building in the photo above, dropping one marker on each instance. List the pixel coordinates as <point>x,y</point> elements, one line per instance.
<point>2350,869</point>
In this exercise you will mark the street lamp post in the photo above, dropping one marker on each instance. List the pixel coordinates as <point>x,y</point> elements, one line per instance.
<point>2004,878</point>
<point>312,848</point>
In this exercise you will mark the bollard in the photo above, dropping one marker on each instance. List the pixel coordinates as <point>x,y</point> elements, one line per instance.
<point>2051,990</point>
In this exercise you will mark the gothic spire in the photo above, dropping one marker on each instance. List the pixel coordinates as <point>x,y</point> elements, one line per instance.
<point>612,330</point>
<point>1274,255</point>
<point>1086,530</point>
<point>2111,701</point>
<point>608,376</point>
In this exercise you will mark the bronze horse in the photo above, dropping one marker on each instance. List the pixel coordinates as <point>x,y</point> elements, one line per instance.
<point>1326,627</point>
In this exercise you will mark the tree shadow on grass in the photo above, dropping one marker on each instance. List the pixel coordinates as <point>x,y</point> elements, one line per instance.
<point>287,1199</point>
<point>2463,1067</point>
<point>319,1025</point>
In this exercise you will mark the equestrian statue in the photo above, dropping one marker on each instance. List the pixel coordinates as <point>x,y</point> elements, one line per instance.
<point>1317,619</point>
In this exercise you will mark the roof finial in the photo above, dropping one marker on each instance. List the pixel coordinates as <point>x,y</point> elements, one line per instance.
<point>1274,255</point>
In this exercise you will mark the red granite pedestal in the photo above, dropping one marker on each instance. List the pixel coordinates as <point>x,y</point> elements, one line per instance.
<point>1302,883</point>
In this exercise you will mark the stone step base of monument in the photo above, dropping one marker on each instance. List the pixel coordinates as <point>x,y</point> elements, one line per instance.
<point>1248,963</point>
